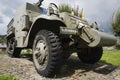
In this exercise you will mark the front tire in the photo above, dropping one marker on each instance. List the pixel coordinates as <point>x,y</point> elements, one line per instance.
<point>47,52</point>
<point>90,55</point>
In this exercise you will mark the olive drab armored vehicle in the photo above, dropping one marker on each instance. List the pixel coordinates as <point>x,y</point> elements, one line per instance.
<point>53,36</point>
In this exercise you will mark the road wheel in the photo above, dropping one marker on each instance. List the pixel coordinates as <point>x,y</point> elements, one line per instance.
<point>12,50</point>
<point>47,52</point>
<point>90,55</point>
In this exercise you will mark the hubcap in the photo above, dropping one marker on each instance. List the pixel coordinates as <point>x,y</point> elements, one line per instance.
<point>41,54</point>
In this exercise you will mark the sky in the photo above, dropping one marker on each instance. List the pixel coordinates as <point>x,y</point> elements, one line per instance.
<point>100,11</point>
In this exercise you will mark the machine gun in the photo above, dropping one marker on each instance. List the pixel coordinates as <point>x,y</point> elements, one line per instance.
<point>39,3</point>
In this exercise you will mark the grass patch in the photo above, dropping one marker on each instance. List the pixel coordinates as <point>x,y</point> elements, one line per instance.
<point>26,51</point>
<point>8,77</point>
<point>111,57</point>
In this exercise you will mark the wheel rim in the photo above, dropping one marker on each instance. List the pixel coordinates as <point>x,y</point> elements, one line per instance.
<point>41,55</point>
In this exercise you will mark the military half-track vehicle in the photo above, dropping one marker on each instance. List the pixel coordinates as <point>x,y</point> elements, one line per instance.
<point>53,36</point>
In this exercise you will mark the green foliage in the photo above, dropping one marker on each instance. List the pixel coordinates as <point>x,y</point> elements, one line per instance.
<point>116,23</point>
<point>67,8</point>
<point>28,51</point>
<point>3,39</point>
<point>8,77</point>
<point>111,57</point>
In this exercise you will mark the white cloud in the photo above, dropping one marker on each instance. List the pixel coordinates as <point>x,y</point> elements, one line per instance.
<point>1,19</point>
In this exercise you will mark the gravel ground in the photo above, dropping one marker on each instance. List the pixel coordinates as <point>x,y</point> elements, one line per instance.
<point>73,69</point>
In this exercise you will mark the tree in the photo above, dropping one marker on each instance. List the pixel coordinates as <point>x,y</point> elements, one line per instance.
<point>3,39</point>
<point>116,23</point>
<point>67,8</point>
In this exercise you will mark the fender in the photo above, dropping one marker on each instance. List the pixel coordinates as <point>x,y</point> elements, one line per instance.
<point>47,22</point>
